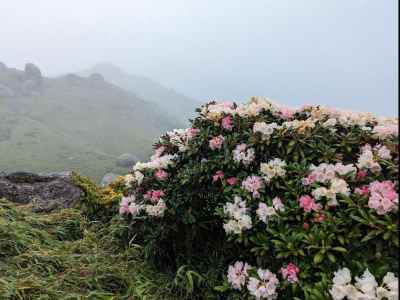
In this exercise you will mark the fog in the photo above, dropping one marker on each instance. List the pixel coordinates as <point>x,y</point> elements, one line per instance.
<point>340,53</point>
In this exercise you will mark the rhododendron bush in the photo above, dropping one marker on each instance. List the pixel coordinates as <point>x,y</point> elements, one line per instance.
<point>273,202</point>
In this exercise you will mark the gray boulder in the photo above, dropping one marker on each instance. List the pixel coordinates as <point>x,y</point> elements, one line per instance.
<point>33,72</point>
<point>126,160</point>
<point>46,192</point>
<point>108,179</point>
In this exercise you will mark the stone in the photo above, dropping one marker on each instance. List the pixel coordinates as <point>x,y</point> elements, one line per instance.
<point>108,179</point>
<point>126,160</point>
<point>46,192</point>
<point>33,72</point>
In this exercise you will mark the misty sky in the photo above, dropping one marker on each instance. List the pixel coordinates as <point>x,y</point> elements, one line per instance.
<point>336,52</point>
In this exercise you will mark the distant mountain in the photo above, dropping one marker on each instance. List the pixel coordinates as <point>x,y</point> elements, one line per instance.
<point>173,103</point>
<point>72,123</point>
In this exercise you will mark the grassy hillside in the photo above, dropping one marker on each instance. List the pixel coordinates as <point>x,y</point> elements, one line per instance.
<point>64,256</point>
<point>76,123</point>
<point>173,103</point>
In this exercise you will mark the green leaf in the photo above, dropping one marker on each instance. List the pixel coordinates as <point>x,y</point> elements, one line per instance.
<point>318,258</point>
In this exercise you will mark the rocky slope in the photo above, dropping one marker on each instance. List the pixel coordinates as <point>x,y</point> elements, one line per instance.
<point>72,123</point>
<point>173,103</point>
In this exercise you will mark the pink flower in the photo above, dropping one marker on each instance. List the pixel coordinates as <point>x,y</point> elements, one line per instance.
<point>308,204</point>
<point>310,179</point>
<point>384,197</point>
<point>237,274</point>
<point>218,175</point>
<point>124,205</point>
<point>277,203</point>
<point>192,132</point>
<point>216,142</point>
<point>290,273</point>
<point>227,123</point>
<point>134,208</point>
<point>159,151</point>
<point>154,195</point>
<point>253,184</point>
<point>232,180</point>
<point>161,175</point>
<point>361,175</point>
<point>364,190</point>
<point>287,113</point>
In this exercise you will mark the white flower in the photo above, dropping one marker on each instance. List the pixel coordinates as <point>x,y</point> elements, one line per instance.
<point>265,129</point>
<point>391,281</point>
<point>365,288</point>
<point>264,211</point>
<point>161,162</point>
<point>383,152</point>
<point>239,219</point>
<point>135,178</point>
<point>339,292</point>
<point>330,122</point>
<point>274,168</point>
<point>237,274</point>
<point>243,154</point>
<point>135,208</point>
<point>342,277</point>
<point>366,160</point>
<point>367,283</point>
<point>278,205</point>
<point>264,287</point>
<point>339,186</point>
<point>156,210</point>
<point>342,169</point>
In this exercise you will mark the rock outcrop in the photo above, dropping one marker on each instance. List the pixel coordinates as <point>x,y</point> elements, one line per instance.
<point>14,83</point>
<point>46,192</point>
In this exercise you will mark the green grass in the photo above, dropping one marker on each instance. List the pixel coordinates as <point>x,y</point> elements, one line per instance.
<point>82,128</point>
<point>63,255</point>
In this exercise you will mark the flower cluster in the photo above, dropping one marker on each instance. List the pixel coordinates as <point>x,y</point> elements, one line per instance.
<point>238,274</point>
<point>302,191</point>
<point>244,154</point>
<point>367,161</point>
<point>273,168</point>
<point>265,129</point>
<point>157,162</point>
<point>264,211</point>
<point>290,272</point>
<point>383,197</point>
<point>329,174</point>
<point>239,220</point>
<point>216,142</point>
<point>365,287</point>
<point>129,205</point>
<point>253,184</point>
<point>264,286</point>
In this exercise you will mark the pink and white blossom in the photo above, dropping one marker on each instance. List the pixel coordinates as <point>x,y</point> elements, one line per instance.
<point>264,286</point>
<point>238,274</point>
<point>290,272</point>
<point>216,142</point>
<point>308,204</point>
<point>253,184</point>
